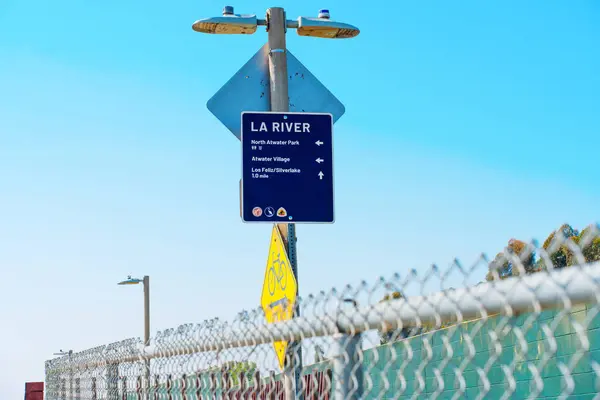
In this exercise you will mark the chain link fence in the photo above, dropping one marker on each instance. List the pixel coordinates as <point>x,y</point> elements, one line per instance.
<point>530,330</point>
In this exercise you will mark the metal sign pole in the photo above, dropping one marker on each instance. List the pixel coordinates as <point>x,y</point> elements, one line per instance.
<point>279,98</point>
<point>246,84</point>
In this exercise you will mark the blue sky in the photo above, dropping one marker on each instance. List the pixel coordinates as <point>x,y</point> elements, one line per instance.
<point>467,123</point>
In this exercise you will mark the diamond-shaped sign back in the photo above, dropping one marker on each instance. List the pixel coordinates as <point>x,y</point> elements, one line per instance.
<point>248,90</point>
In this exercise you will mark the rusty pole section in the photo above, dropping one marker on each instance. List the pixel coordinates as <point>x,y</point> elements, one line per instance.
<point>278,80</point>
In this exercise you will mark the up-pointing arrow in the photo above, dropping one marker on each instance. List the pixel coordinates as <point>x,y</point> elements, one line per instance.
<point>321,174</point>
<point>319,160</point>
<point>318,143</point>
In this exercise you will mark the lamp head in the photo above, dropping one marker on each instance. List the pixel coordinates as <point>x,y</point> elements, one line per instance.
<point>130,281</point>
<point>228,24</point>
<point>325,28</point>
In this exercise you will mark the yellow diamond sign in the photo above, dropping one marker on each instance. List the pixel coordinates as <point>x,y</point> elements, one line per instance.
<point>279,289</point>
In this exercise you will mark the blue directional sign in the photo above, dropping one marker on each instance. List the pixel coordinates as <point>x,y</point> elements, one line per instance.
<point>287,167</point>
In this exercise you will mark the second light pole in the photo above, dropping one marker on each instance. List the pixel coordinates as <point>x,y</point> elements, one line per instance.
<point>146,283</point>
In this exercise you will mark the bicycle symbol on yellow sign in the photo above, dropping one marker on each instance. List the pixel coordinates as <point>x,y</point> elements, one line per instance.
<point>277,274</point>
<point>279,289</point>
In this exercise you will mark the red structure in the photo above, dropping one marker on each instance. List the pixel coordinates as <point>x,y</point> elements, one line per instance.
<point>34,390</point>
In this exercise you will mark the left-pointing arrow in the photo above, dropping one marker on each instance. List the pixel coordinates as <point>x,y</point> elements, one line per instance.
<point>319,160</point>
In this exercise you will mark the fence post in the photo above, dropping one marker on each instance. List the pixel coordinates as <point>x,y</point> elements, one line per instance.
<point>289,374</point>
<point>213,386</point>
<point>275,392</point>
<point>225,377</point>
<point>198,386</point>
<point>256,390</point>
<point>71,388</point>
<point>347,367</point>
<point>184,387</point>
<point>169,386</point>
<point>63,389</point>
<point>156,386</point>
<point>124,394</point>
<point>327,379</point>
<point>78,388</point>
<point>112,372</point>
<point>94,390</point>
<point>138,387</point>
<point>242,386</point>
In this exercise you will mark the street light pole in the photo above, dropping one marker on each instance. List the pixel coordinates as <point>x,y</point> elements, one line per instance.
<point>147,331</point>
<point>278,80</point>
<point>70,354</point>
<point>146,283</point>
<point>277,59</point>
<point>277,24</point>
<point>279,97</point>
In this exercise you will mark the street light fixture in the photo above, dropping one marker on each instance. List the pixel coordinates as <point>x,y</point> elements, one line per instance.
<point>228,24</point>
<point>231,23</point>
<point>323,27</point>
<point>130,281</point>
<point>63,353</point>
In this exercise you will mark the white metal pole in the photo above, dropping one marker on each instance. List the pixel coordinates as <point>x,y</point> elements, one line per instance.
<point>347,367</point>
<point>277,59</point>
<point>279,98</point>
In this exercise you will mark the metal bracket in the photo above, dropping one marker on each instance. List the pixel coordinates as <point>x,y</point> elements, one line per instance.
<point>285,22</point>
<point>268,19</point>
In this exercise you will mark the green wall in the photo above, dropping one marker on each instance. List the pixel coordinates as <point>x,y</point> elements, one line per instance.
<point>545,341</point>
<point>523,341</point>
